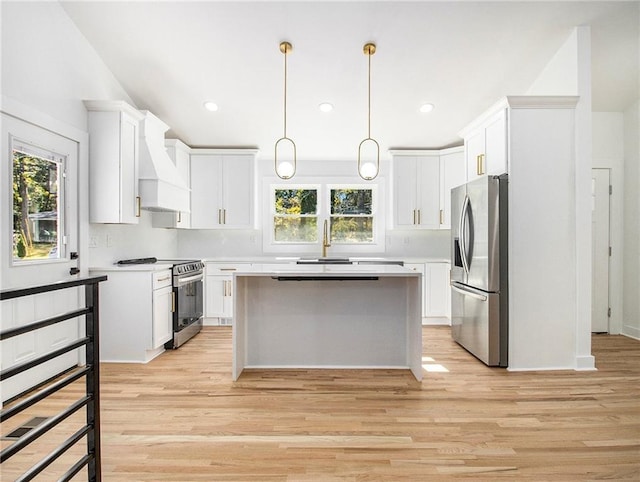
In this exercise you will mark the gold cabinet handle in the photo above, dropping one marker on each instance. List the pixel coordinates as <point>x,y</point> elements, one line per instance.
<point>138,206</point>
<point>224,216</point>
<point>173,302</point>
<point>419,217</point>
<point>442,216</point>
<point>219,216</point>
<point>179,216</point>
<point>480,164</point>
<point>228,269</point>
<point>414,216</point>
<point>224,288</point>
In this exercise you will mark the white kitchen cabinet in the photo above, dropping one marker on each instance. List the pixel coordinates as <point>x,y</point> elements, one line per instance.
<point>136,313</point>
<point>113,162</point>
<point>419,267</point>
<point>486,146</point>
<point>179,153</point>
<point>437,291</point>
<point>222,188</point>
<point>416,190</point>
<point>219,291</point>
<point>452,174</point>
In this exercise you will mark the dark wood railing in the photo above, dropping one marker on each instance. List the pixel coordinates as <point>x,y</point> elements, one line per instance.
<point>91,399</point>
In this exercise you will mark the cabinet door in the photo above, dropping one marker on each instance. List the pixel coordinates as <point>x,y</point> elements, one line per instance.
<point>452,174</point>
<point>162,316</point>
<point>428,174</point>
<point>129,200</point>
<point>405,189</point>
<point>219,297</point>
<point>474,147</point>
<point>437,289</point>
<point>206,191</point>
<point>238,187</point>
<point>496,144</point>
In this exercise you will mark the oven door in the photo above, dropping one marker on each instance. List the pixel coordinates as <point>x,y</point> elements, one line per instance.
<point>189,293</point>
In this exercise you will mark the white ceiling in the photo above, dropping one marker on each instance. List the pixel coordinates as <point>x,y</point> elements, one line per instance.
<point>462,56</point>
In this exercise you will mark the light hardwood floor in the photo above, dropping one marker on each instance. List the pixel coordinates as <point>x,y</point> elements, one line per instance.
<point>181,418</point>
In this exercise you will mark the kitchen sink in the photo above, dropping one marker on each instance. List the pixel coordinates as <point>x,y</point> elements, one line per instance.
<point>324,261</point>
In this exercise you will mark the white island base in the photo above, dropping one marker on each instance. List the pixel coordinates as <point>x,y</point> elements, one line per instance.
<point>328,317</point>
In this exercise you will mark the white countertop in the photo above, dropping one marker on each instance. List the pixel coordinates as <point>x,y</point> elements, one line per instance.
<point>293,259</point>
<point>322,270</point>
<point>132,267</point>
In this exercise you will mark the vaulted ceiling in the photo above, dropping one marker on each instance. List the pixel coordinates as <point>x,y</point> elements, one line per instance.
<point>461,56</point>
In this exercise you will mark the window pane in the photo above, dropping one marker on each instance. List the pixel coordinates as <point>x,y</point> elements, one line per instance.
<point>296,201</point>
<point>351,201</point>
<point>36,220</point>
<point>352,229</point>
<point>295,229</point>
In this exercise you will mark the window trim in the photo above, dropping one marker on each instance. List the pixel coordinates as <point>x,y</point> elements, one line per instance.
<point>28,148</point>
<point>324,185</point>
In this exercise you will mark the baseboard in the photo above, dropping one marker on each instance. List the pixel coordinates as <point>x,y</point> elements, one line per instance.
<point>586,363</point>
<point>631,332</point>
<point>436,321</point>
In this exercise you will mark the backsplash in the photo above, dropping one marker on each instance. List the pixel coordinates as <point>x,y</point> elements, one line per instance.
<point>109,243</point>
<point>202,243</point>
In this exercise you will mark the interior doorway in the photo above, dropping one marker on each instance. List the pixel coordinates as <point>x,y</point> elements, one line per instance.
<point>600,232</point>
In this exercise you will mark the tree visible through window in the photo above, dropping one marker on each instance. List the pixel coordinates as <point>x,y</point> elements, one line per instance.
<point>296,216</point>
<point>351,215</point>
<point>36,206</point>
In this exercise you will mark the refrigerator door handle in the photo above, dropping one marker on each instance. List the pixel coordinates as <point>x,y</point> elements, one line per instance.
<point>467,291</point>
<point>462,230</point>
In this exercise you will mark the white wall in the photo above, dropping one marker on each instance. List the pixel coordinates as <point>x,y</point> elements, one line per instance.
<point>631,275</point>
<point>51,68</point>
<point>569,73</point>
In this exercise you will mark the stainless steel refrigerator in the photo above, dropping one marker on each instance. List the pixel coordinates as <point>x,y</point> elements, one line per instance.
<point>479,268</point>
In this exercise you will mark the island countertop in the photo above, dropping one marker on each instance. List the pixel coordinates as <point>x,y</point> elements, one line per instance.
<point>325,270</point>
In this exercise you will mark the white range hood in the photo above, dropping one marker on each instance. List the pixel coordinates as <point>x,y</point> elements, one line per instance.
<point>160,184</point>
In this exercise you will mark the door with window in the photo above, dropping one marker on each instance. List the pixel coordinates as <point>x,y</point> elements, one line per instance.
<point>39,245</point>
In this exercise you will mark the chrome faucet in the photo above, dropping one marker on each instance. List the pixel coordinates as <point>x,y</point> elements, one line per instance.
<point>325,240</point>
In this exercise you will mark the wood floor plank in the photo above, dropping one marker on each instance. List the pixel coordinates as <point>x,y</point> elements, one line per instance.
<point>182,418</point>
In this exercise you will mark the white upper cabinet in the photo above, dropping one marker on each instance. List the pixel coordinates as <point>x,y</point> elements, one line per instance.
<point>179,153</point>
<point>416,190</point>
<point>453,173</point>
<point>222,188</point>
<point>113,162</point>
<point>486,146</point>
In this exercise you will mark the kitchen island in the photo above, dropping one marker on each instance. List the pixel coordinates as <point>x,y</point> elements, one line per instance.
<point>327,316</point>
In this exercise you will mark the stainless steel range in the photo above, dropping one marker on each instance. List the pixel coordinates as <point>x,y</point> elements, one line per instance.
<point>188,296</point>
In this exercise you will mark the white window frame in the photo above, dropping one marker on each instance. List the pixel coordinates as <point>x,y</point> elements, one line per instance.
<point>17,144</point>
<point>324,213</point>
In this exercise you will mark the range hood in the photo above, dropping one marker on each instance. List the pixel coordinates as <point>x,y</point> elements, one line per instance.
<point>160,184</point>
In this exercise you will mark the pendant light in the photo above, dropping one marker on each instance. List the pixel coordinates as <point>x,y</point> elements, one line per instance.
<point>285,169</point>
<point>368,170</point>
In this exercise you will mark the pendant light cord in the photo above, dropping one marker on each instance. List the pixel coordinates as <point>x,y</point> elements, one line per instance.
<point>285,92</point>
<point>369,101</point>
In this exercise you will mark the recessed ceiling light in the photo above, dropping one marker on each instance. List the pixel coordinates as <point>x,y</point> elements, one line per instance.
<point>211,106</point>
<point>325,107</point>
<point>426,107</point>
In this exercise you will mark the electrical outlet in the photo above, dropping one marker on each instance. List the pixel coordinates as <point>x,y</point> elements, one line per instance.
<point>109,241</point>
<point>93,241</point>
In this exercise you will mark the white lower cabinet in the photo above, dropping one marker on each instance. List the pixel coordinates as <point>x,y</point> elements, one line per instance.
<point>437,292</point>
<point>136,316</point>
<point>218,309</point>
